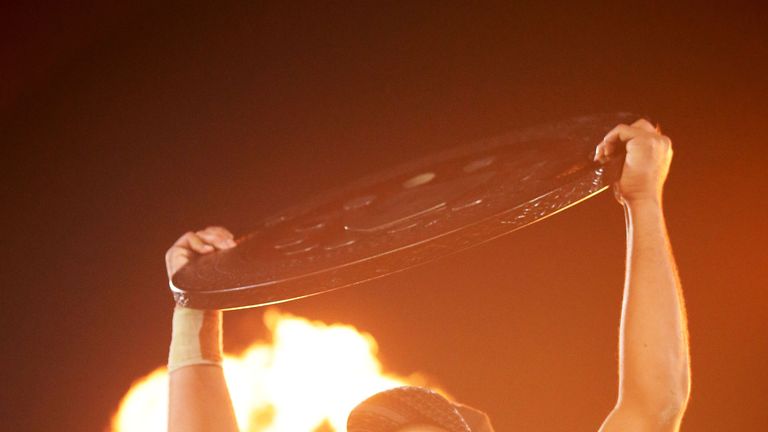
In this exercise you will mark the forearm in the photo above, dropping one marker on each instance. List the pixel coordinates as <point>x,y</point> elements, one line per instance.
<point>199,400</point>
<point>198,395</point>
<point>654,354</point>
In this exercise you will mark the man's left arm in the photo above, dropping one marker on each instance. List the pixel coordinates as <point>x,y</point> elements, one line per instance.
<point>198,395</point>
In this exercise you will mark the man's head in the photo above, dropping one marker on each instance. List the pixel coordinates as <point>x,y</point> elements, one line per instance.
<point>407,409</point>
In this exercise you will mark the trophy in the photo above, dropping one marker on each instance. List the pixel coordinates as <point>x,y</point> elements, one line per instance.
<point>406,216</point>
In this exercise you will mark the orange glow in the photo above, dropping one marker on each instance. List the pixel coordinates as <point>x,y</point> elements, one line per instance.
<point>318,370</point>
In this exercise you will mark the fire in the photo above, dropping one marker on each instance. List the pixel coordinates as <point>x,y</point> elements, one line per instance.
<point>308,379</point>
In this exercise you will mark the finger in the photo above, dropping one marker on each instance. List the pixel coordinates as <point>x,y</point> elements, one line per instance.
<point>616,138</point>
<point>193,242</point>
<point>600,152</point>
<point>221,230</point>
<point>216,238</point>
<point>608,146</point>
<point>605,150</point>
<point>183,241</point>
<point>176,258</point>
<point>645,125</point>
<point>621,134</point>
<point>219,236</point>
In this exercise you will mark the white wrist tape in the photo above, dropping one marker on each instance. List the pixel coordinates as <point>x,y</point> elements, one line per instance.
<point>196,338</point>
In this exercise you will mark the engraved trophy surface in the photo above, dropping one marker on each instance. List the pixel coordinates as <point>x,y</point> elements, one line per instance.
<point>406,216</point>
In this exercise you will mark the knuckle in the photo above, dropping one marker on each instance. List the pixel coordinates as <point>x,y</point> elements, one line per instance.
<point>660,142</point>
<point>184,237</point>
<point>642,122</point>
<point>219,232</point>
<point>173,251</point>
<point>216,229</point>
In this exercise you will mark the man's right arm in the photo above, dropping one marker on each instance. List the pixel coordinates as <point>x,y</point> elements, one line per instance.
<point>654,361</point>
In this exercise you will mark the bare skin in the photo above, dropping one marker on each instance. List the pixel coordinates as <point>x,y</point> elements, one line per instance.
<point>654,359</point>
<point>654,362</point>
<point>198,395</point>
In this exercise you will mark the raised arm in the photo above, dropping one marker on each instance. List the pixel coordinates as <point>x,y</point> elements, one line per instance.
<point>198,399</point>
<point>654,362</point>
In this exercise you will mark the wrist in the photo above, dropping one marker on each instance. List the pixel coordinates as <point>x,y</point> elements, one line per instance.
<point>196,338</point>
<point>644,216</point>
<point>643,203</point>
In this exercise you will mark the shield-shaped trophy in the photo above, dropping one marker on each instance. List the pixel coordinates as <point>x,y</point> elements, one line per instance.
<point>406,216</point>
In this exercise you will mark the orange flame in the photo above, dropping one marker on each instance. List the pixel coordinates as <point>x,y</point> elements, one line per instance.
<point>318,370</point>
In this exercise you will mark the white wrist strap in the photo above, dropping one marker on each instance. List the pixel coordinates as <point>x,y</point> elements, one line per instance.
<point>196,338</point>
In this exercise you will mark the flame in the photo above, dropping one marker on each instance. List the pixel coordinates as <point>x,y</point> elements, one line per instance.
<point>321,371</point>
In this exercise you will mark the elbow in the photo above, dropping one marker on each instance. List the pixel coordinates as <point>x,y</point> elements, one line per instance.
<point>665,403</point>
<point>672,394</point>
<point>671,409</point>
<point>668,384</point>
<point>659,414</point>
<point>679,391</point>
<point>669,414</point>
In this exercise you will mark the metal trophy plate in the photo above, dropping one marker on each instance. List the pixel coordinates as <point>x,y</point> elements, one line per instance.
<point>406,216</point>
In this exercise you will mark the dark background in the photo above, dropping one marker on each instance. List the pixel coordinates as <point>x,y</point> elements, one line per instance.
<point>124,126</point>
